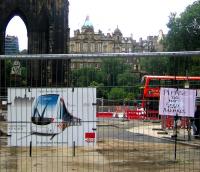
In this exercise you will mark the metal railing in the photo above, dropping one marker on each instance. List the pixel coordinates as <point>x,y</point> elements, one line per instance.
<point>42,93</point>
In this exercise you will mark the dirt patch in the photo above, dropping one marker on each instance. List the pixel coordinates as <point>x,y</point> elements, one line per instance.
<point>154,157</point>
<point>108,155</point>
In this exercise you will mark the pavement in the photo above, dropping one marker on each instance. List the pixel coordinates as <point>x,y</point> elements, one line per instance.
<point>155,130</point>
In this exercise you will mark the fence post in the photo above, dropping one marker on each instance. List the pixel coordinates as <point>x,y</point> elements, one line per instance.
<point>175,137</point>
<point>74,148</point>
<point>30,149</point>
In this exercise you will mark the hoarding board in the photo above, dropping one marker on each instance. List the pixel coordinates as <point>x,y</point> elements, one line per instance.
<point>179,102</point>
<point>51,117</point>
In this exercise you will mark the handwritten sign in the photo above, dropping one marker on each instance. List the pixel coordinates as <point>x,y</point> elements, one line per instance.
<point>177,101</point>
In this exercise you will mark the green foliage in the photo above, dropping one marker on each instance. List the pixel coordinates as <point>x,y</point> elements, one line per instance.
<point>113,73</point>
<point>195,66</point>
<point>126,79</point>
<point>155,65</point>
<point>112,68</point>
<point>116,94</point>
<point>86,76</point>
<point>130,96</point>
<point>184,31</point>
<point>183,35</point>
<point>24,76</point>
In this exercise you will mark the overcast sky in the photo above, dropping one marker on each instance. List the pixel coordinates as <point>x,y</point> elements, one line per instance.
<point>140,18</point>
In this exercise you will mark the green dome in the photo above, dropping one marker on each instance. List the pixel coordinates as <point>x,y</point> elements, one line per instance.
<point>87,24</point>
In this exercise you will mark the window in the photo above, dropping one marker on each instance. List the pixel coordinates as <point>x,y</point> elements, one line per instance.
<point>154,83</point>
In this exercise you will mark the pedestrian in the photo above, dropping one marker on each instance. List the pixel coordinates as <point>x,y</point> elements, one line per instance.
<point>197,121</point>
<point>191,126</point>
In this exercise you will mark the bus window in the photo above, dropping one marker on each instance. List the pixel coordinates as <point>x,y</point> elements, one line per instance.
<point>154,83</point>
<point>180,84</point>
<point>168,83</point>
<point>194,84</point>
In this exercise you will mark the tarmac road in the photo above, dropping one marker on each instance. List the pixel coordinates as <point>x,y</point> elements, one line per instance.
<point>118,129</point>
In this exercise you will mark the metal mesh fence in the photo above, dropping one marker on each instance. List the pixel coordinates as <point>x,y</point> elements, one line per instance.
<point>100,112</point>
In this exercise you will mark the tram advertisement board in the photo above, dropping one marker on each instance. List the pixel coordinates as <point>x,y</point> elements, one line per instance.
<point>51,116</point>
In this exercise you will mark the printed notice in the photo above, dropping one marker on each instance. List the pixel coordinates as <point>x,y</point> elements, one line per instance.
<point>179,102</point>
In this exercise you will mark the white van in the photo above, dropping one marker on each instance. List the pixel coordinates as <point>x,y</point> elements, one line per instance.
<point>50,116</point>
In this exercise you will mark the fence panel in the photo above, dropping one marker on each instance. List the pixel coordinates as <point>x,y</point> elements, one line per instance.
<point>99,112</point>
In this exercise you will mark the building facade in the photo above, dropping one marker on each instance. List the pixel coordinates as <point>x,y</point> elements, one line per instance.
<point>151,44</point>
<point>88,41</point>
<point>11,45</point>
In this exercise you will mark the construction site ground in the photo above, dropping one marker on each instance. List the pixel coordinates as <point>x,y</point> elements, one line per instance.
<point>121,146</point>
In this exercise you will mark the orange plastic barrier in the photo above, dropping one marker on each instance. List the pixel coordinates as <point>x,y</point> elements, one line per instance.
<point>134,114</point>
<point>170,122</point>
<point>104,114</point>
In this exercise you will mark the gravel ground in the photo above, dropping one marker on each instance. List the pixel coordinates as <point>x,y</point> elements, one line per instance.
<point>117,149</point>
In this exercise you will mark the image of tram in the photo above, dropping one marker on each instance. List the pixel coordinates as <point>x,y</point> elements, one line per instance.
<point>50,116</point>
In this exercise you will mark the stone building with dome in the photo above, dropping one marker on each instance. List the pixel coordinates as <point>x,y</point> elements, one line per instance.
<point>88,41</point>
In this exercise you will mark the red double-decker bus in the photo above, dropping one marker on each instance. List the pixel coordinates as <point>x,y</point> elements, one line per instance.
<point>152,85</point>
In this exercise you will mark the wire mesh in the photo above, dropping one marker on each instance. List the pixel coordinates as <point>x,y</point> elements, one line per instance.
<point>89,112</point>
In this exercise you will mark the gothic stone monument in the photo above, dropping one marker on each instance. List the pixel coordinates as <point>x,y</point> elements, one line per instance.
<point>48,33</point>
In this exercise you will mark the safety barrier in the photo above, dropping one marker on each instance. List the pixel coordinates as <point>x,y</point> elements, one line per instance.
<point>98,136</point>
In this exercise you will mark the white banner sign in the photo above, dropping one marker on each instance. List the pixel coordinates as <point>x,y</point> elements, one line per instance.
<point>179,102</point>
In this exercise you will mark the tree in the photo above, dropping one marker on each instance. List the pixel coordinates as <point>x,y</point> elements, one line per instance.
<point>111,68</point>
<point>130,82</point>
<point>155,65</point>
<point>114,72</point>
<point>184,31</point>
<point>86,76</point>
<point>102,91</point>
<point>183,35</point>
<point>117,94</point>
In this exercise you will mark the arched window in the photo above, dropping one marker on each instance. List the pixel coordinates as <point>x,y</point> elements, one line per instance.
<point>16,40</point>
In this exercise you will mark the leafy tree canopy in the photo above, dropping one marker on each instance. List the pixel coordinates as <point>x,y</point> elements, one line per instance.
<point>184,31</point>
